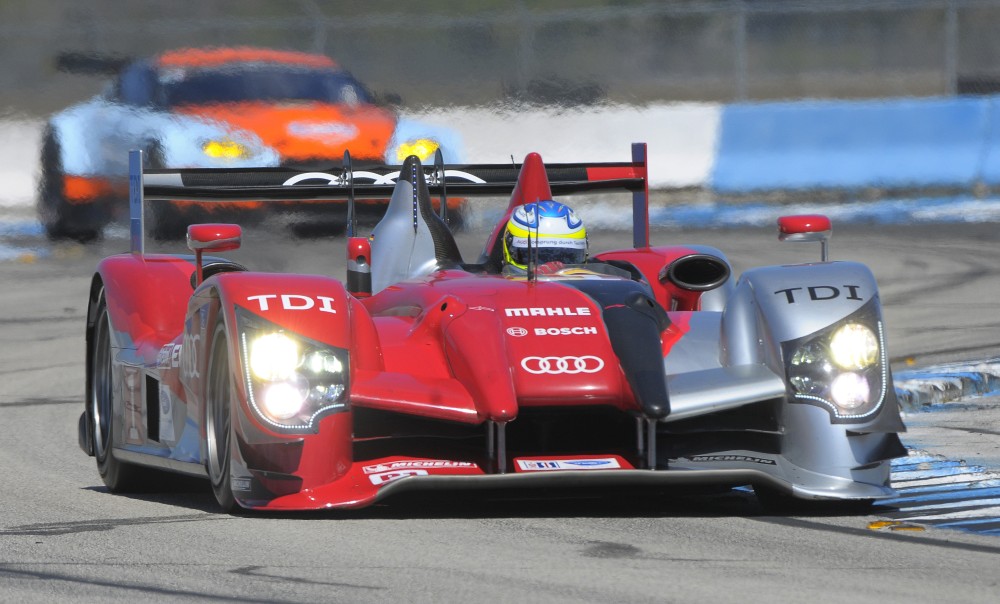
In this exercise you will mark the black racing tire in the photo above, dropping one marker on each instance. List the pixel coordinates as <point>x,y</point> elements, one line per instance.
<point>118,476</point>
<point>218,421</point>
<point>776,502</point>
<point>61,219</point>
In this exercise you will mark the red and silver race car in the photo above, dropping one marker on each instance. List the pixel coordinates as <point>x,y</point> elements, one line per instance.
<point>648,365</point>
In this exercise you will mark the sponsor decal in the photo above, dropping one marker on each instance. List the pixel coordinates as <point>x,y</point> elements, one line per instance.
<point>163,357</point>
<point>416,463</point>
<point>241,484</point>
<point>817,293</point>
<point>167,431</point>
<point>189,362</point>
<point>545,311</point>
<point>385,477</point>
<point>746,458</point>
<point>132,404</point>
<point>517,332</point>
<point>293,302</point>
<point>378,179</point>
<point>549,465</point>
<point>562,365</point>
<point>324,130</point>
<point>482,308</point>
<point>565,331</point>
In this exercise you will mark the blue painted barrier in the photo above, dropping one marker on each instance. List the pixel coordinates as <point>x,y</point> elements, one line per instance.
<point>899,143</point>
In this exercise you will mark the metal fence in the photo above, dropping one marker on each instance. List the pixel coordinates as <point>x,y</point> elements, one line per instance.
<point>490,52</point>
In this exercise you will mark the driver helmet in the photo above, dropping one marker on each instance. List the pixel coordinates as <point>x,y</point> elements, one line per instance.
<point>557,235</point>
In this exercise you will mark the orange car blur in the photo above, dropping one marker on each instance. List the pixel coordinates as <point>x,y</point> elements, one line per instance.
<point>214,107</point>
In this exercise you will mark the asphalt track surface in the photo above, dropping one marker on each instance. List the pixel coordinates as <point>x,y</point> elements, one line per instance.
<point>64,538</point>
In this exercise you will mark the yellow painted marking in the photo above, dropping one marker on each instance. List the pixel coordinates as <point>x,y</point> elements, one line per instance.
<point>894,525</point>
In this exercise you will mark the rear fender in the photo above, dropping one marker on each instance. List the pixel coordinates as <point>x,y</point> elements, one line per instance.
<point>146,297</point>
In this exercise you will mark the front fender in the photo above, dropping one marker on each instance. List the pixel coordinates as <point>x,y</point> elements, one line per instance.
<point>776,304</point>
<point>269,461</point>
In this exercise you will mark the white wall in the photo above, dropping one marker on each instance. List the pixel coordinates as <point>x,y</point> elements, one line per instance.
<point>681,137</point>
<point>681,140</point>
<point>20,145</point>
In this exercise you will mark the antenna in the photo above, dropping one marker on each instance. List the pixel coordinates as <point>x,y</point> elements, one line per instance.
<point>348,177</point>
<point>533,249</point>
<point>439,173</point>
<point>414,167</point>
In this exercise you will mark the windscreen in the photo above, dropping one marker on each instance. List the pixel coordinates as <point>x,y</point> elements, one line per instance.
<point>258,82</point>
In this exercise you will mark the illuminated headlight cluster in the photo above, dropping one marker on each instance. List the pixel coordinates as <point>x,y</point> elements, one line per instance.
<point>423,148</point>
<point>225,149</point>
<point>842,368</point>
<point>291,381</point>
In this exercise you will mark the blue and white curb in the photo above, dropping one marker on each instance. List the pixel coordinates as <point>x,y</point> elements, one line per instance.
<point>920,388</point>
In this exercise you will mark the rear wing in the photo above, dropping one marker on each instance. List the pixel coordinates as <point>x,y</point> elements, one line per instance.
<point>345,182</point>
<point>88,63</point>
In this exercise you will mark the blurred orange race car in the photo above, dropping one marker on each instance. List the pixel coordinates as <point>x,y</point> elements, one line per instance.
<point>205,108</point>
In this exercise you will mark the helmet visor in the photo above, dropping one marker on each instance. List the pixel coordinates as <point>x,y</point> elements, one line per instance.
<point>567,251</point>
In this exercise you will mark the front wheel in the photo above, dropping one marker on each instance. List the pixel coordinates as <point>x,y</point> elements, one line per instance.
<point>218,421</point>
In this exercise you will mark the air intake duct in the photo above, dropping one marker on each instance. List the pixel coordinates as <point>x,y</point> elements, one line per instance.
<point>687,277</point>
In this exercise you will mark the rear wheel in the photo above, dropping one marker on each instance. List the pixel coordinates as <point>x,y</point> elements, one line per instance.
<point>118,476</point>
<point>61,219</point>
<point>218,421</point>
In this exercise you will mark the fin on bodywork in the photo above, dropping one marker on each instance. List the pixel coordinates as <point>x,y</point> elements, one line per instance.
<point>411,239</point>
<point>532,185</point>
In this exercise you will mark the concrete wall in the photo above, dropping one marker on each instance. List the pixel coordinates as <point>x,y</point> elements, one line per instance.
<point>851,145</point>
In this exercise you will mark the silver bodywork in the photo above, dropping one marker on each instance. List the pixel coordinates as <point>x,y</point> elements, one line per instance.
<point>402,246</point>
<point>732,358</point>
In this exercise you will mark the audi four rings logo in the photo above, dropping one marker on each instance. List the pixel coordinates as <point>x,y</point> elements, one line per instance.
<point>556,365</point>
<point>376,178</point>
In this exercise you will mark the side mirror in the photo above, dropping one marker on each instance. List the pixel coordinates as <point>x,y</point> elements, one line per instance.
<point>359,268</point>
<point>807,227</point>
<point>214,238</point>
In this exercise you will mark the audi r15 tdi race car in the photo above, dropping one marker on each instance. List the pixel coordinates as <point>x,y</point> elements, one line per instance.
<point>644,365</point>
<point>212,108</point>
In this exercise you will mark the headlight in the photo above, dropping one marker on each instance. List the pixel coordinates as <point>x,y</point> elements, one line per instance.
<point>225,149</point>
<point>423,148</point>
<point>283,400</point>
<point>273,357</point>
<point>842,368</point>
<point>291,381</point>
<point>853,347</point>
